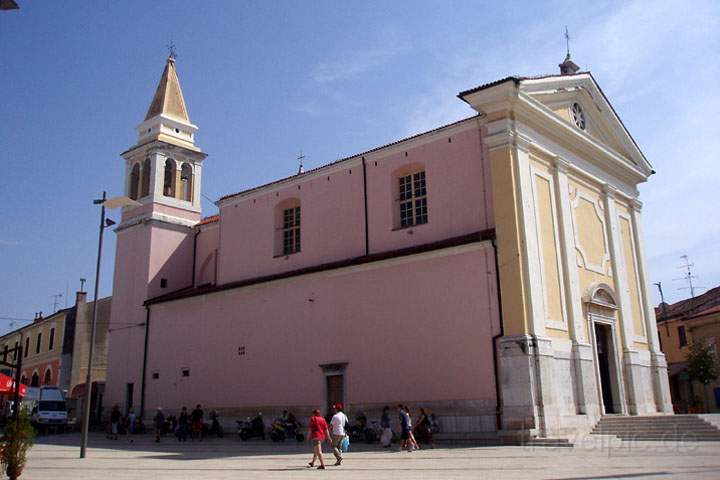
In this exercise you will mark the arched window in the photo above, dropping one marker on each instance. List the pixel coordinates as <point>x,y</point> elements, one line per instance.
<point>169,178</point>
<point>23,379</point>
<point>48,377</point>
<point>35,381</point>
<point>135,181</point>
<point>145,190</point>
<point>186,177</point>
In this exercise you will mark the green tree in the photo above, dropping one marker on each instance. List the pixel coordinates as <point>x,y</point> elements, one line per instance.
<point>702,365</point>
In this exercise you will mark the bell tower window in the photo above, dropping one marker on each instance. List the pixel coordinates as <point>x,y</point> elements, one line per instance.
<point>134,181</point>
<point>186,179</point>
<point>145,188</point>
<point>169,178</point>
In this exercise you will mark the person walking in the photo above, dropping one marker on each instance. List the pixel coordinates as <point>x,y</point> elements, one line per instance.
<point>317,432</point>
<point>196,422</point>
<point>404,427</point>
<point>411,437</point>
<point>115,418</point>
<point>337,430</point>
<point>386,436</point>
<point>159,422</point>
<point>424,429</point>
<point>182,428</point>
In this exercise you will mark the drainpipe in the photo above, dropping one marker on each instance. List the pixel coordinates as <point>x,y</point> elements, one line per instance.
<point>144,367</point>
<point>365,197</point>
<point>194,255</point>
<point>496,367</point>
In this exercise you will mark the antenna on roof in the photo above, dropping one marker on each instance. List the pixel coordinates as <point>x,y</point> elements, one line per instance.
<point>568,67</point>
<point>56,302</point>
<point>688,276</point>
<point>300,159</point>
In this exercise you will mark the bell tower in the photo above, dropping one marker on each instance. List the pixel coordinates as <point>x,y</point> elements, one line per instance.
<point>163,170</point>
<point>154,249</point>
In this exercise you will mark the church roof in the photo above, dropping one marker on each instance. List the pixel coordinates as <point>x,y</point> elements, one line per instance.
<point>168,99</point>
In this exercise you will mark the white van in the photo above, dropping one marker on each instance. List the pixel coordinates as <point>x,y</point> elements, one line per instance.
<point>46,406</point>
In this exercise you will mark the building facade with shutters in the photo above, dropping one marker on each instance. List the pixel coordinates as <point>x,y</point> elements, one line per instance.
<point>55,351</point>
<point>490,270</point>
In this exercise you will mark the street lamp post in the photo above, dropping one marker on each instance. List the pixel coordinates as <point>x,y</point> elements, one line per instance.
<point>115,202</point>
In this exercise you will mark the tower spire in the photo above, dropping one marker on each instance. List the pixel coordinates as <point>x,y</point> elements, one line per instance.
<point>168,99</point>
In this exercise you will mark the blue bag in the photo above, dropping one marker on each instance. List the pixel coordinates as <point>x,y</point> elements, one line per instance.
<point>345,444</point>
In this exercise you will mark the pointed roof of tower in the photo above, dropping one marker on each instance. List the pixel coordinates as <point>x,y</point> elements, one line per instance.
<point>168,99</point>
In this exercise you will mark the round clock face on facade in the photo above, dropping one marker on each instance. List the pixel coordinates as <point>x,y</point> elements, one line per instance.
<point>578,116</point>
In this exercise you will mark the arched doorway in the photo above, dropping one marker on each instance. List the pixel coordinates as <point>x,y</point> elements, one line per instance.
<point>601,307</point>
<point>35,380</point>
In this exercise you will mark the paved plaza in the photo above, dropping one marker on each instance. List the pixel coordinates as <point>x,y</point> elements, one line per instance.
<point>56,457</point>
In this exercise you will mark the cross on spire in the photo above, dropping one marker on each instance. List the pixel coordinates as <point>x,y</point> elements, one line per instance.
<point>567,41</point>
<point>171,49</point>
<point>300,159</point>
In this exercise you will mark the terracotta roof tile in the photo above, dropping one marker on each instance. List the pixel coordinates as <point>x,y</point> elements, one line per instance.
<point>690,306</point>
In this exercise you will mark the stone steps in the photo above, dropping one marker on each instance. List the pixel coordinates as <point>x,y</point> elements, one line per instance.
<point>658,428</point>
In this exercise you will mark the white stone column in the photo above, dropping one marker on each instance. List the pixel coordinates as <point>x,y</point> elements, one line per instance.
<point>617,260</point>
<point>660,381</point>
<point>582,355</point>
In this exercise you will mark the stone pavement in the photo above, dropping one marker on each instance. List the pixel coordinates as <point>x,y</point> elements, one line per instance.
<point>55,457</point>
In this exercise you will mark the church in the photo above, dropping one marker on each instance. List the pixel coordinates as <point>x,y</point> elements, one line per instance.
<point>491,270</point>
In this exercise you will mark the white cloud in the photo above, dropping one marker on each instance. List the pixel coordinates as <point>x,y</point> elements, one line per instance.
<point>355,63</point>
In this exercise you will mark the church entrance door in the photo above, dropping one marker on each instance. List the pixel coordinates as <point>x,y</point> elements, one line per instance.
<point>603,341</point>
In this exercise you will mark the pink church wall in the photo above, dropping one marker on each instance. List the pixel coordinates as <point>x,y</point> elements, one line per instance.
<point>383,319</point>
<point>333,214</point>
<point>205,259</point>
<point>332,227</point>
<point>456,191</point>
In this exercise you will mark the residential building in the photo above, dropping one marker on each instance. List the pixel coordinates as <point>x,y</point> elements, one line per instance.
<point>680,325</point>
<point>491,270</point>
<point>55,351</point>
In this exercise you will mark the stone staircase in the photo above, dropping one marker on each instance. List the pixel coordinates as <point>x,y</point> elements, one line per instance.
<point>686,428</point>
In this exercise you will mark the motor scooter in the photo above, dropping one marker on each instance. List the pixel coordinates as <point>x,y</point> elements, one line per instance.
<point>251,428</point>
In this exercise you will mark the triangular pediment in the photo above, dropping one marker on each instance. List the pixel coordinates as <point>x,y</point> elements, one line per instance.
<point>579,101</point>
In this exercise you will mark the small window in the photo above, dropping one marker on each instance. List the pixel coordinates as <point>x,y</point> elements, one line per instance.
<point>163,283</point>
<point>52,339</point>
<point>413,199</point>
<point>15,351</point>
<point>682,336</point>
<point>39,342</point>
<point>186,372</point>
<point>291,230</point>
<point>156,375</point>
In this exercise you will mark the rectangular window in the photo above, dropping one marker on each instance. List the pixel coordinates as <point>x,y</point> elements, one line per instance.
<point>682,337</point>
<point>15,352</point>
<point>39,341</point>
<point>52,339</point>
<point>27,346</point>
<point>413,200</point>
<point>291,230</point>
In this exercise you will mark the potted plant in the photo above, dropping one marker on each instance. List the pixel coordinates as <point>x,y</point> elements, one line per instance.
<point>19,437</point>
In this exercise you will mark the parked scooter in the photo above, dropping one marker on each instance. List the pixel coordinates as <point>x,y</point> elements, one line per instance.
<point>251,428</point>
<point>283,428</point>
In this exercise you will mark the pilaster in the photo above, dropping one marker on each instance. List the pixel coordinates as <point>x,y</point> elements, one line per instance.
<point>660,381</point>
<point>617,261</point>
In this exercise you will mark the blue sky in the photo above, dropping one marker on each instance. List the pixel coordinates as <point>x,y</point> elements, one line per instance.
<point>266,80</point>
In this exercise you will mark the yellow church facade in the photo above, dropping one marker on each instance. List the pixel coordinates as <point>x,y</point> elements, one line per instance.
<point>579,338</point>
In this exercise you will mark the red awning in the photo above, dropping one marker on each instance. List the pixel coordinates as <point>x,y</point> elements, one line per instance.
<point>7,386</point>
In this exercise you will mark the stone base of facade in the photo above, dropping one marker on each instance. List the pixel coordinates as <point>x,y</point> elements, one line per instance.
<point>551,387</point>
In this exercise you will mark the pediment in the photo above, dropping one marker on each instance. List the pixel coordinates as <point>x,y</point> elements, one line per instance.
<point>578,100</point>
